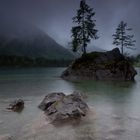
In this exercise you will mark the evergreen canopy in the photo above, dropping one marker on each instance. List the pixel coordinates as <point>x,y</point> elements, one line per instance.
<point>121,37</point>
<point>85,30</point>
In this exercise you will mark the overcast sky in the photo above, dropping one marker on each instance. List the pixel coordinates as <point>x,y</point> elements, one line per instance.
<point>55,17</point>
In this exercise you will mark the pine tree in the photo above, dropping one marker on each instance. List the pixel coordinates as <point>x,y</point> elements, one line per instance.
<point>85,29</point>
<point>122,38</point>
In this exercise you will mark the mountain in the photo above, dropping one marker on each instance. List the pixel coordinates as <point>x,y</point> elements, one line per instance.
<point>29,41</point>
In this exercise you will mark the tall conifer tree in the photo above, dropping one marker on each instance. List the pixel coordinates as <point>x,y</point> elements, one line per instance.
<point>122,38</point>
<point>84,30</point>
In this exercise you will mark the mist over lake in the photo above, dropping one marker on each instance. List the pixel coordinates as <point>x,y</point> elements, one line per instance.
<point>114,106</point>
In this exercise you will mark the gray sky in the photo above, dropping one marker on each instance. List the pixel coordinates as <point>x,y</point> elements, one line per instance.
<point>55,17</point>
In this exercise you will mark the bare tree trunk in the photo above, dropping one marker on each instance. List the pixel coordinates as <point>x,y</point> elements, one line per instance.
<point>122,50</point>
<point>84,49</point>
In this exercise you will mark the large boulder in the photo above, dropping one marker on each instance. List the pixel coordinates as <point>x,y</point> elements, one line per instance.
<point>110,65</point>
<point>59,107</point>
<point>16,106</point>
<point>50,99</point>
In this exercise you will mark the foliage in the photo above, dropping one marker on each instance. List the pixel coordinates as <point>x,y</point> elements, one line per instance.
<point>91,56</point>
<point>86,60</point>
<point>122,38</point>
<point>134,60</point>
<point>85,29</point>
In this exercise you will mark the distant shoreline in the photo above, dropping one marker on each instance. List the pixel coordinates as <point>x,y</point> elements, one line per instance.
<point>12,61</point>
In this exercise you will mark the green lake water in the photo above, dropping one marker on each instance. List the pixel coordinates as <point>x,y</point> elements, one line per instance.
<point>115,105</point>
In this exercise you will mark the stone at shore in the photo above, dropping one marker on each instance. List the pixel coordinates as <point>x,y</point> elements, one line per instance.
<point>110,65</point>
<point>59,107</point>
<point>51,99</point>
<point>16,106</point>
<point>5,137</point>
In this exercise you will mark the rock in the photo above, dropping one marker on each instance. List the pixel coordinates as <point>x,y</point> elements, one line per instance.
<point>111,65</point>
<point>5,137</point>
<point>16,106</point>
<point>59,107</point>
<point>50,99</point>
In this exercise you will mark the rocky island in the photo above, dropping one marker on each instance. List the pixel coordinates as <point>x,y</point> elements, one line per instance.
<point>110,65</point>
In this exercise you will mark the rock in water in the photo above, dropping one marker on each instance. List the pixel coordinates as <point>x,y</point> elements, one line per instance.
<point>59,107</point>
<point>111,65</point>
<point>50,99</point>
<point>16,106</point>
<point>5,137</point>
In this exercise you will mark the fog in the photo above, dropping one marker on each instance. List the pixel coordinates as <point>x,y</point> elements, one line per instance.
<point>55,18</point>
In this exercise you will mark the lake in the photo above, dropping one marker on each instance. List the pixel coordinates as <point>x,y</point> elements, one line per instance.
<point>115,106</point>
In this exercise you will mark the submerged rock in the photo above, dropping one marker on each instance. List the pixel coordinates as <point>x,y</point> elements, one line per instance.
<point>110,65</point>
<point>59,107</point>
<point>16,106</point>
<point>6,137</point>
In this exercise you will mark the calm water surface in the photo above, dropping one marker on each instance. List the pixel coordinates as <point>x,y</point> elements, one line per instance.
<point>116,105</point>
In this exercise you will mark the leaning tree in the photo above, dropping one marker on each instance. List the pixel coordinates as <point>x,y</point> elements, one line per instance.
<point>122,38</point>
<point>84,30</point>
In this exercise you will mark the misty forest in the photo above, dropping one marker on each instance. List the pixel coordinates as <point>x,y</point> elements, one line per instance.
<point>69,70</point>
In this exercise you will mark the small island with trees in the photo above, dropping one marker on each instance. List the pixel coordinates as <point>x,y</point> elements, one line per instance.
<point>110,65</point>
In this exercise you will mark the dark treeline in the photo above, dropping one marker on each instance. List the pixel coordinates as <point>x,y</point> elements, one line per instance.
<point>21,61</point>
<point>135,60</point>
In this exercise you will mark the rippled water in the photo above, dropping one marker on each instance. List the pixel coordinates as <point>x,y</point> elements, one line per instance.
<point>115,112</point>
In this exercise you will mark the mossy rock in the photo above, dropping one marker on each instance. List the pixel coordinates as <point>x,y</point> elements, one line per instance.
<point>110,65</point>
